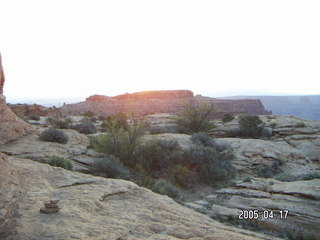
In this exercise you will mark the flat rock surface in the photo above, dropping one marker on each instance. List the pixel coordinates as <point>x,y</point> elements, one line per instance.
<point>300,198</point>
<point>32,148</point>
<point>98,209</point>
<point>252,154</point>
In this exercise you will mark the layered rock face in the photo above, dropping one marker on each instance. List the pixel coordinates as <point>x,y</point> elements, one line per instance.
<point>159,102</point>
<point>11,127</point>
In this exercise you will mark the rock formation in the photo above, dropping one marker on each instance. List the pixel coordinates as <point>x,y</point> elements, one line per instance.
<point>11,127</point>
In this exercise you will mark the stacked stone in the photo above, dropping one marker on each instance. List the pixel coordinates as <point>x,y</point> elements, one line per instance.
<point>50,207</point>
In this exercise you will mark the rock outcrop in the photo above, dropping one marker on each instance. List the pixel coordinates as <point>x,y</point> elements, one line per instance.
<point>96,208</point>
<point>11,127</point>
<point>300,199</point>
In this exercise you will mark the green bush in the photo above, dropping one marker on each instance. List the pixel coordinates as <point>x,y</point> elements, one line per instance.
<point>59,161</point>
<point>202,138</point>
<point>227,117</point>
<point>165,188</point>
<point>61,123</point>
<point>158,129</point>
<point>247,179</point>
<point>266,133</point>
<point>88,114</point>
<point>183,176</point>
<point>311,176</point>
<point>34,117</point>
<point>121,143</point>
<point>234,132</point>
<point>196,117</point>
<point>158,155</point>
<point>85,128</point>
<point>300,124</point>
<point>54,135</point>
<point>116,122</point>
<point>286,177</point>
<point>250,126</point>
<point>110,167</point>
<point>213,166</point>
<point>269,171</point>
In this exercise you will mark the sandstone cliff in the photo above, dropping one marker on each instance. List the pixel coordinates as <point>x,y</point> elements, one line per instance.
<point>11,126</point>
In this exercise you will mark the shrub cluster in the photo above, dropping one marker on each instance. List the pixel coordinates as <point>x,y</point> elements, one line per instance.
<point>158,156</point>
<point>85,128</point>
<point>110,167</point>
<point>59,161</point>
<point>120,142</point>
<point>250,126</point>
<point>196,117</point>
<point>227,117</point>
<point>167,128</point>
<point>54,135</point>
<point>60,123</point>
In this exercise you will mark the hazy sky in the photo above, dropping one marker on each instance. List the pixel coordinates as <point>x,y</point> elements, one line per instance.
<point>75,48</point>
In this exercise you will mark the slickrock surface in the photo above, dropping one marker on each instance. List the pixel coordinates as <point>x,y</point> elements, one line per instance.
<point>97,208</point>
<point>300,198</point>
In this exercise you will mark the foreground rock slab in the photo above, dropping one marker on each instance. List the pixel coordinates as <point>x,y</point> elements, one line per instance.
<point>97,208</point>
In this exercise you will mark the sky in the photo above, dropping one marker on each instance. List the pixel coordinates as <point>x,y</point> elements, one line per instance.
<point>77,48</point>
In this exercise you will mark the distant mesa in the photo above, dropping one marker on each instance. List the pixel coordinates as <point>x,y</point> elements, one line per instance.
<point>162,101</point>
<point>164,94</point>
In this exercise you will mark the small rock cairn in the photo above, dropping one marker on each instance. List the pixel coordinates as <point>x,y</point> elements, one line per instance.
<point>50,207</point>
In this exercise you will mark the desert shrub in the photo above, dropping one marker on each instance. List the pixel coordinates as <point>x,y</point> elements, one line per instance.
<point>54,135</point>
<point>311,176</point>
<point>61,123</point>
<point>158,155</point>
<point>116,122</point>
<point>88,114</point>
<point>213,166</point>
<point>34,117</point>
<point>59,161</point>
<point>196,117</point>
<point>110,167</point>
<point>85,128</point>
<point>121,143</point>
<point>234,132</point>
<point>165,188</point>
<point>158,129</point>
<point>286,177</point>
<point>247,179</point>
<point>300,124</point>
<point>269,171</point>
<point>266,132</point>
<point>202,138</point>
<point>183,176</point>
<point>250,126</point>
<point>227,117</point>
